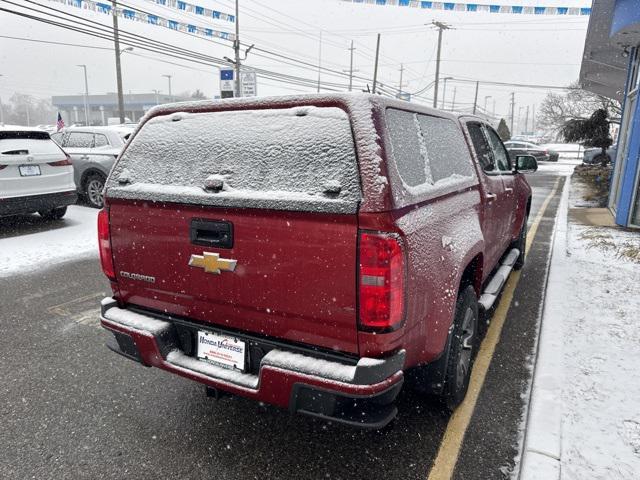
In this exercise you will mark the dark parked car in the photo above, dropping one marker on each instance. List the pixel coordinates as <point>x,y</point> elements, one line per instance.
<point>526,148</point>
<point>311,251</point>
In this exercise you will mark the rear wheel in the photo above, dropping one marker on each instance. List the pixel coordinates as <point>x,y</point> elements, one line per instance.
<point>464,344</point>
<point>54,214</point>
<point>93,186</point>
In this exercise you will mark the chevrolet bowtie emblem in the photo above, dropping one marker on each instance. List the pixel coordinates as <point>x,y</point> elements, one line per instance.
<point>212,263</point>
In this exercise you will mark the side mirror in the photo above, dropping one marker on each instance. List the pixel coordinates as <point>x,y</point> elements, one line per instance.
<point>526,164</point>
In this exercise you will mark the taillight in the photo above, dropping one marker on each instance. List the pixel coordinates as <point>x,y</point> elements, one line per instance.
<point>104,243</point>
<point>61,163</point>
<point>380,281</point>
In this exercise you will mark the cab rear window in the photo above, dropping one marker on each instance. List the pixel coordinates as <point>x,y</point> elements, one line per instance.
<point>300,158</point>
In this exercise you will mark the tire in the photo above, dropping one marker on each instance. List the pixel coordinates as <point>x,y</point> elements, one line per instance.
<point>54,214</point>
<point>521,244</point>
<point>92,190</point>
<point>463,349</point>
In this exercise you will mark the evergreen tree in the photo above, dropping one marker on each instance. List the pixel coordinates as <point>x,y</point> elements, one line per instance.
<point>503,130</point>
<point>590,132</point>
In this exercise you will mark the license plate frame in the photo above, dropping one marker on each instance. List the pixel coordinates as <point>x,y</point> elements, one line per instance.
<point>223,350</point>
<point>29,170</point>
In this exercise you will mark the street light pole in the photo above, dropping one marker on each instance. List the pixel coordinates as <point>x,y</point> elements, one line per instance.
<point>169,79</point>
<point>116,48</point>
<point>86,95</point>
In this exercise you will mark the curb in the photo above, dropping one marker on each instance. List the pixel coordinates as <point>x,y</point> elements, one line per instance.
<point>541,452</point>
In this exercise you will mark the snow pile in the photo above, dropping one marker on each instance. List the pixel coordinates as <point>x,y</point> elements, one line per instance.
<point>73,237</point>
<point>593,300</point>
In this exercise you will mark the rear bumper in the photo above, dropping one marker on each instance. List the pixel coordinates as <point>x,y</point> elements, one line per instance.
<point>35,203</point>
<point>360,395</point>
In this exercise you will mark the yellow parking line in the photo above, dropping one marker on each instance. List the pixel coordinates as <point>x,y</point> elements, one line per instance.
<point>445,462</point>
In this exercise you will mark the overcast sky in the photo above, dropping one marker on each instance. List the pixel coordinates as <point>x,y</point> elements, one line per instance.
<point>541,50</point>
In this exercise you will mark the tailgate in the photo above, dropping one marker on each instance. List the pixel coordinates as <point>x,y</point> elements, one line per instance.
<point>273,193</point>
<point>295,276</point>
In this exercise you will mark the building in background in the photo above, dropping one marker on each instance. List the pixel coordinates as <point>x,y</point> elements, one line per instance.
<point>105,107</point>
<point>610,67</point>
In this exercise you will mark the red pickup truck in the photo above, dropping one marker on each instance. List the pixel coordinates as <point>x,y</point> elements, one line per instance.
<point>311,251</point>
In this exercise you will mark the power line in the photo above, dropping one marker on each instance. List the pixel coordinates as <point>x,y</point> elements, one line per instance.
<point>280,57</point>
<point>50,42</point>
<point>144,43</point>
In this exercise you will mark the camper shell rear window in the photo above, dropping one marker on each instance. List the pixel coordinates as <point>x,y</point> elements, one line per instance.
<point>300,158</point>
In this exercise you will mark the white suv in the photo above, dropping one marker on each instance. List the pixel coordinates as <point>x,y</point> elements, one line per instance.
<point>36,175</point>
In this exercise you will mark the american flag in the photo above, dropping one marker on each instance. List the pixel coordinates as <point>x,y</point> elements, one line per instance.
<point>59,123</point>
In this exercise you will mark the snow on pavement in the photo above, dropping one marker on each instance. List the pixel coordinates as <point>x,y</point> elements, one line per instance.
<point>73,237</point>
<point>593,300</point>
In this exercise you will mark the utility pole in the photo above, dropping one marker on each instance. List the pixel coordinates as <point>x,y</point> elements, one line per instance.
<point>375,68</point>
<point>519,120</point>
<point>475,100</point>
<point>493,110</point>
<point>453,102</point>
<point>116,47</point>
<point>236,48</point>
<point>1,109</point>
<point>86,96</point>
<point>26,106</point>
<point>526,121</point>
<point>351,49</point>
<point>513,106</point>
<point>400,86</point>
<point>444,91</point>
<point>533,119</point>
<point>319,60</point>
<point>169,78</point>
<point>487,97</point>
<point>440,26</point>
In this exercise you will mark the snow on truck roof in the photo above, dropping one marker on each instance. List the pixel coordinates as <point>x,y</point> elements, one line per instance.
<point>354,101</point>
<point>360,107</point>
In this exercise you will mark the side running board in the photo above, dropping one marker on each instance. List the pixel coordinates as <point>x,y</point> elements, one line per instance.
<point>493,288</point>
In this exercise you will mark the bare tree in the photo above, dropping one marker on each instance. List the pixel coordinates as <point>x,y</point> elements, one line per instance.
<point>24,109</point>
<point>557,109</point>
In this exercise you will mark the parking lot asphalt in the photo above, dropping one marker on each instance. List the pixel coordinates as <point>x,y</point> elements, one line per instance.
<point>70,408</point>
